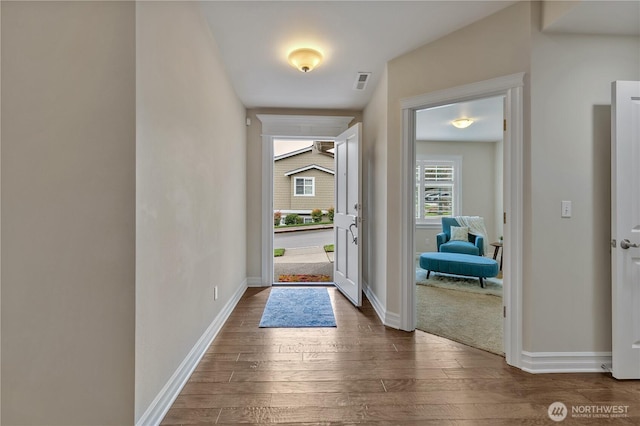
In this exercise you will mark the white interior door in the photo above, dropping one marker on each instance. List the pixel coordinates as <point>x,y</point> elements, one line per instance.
<point>347,266</point>
<point>625,228</point>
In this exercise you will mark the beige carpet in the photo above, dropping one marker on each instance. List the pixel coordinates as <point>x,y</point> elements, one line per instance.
<point>456,282</point>
<point>474,319</point>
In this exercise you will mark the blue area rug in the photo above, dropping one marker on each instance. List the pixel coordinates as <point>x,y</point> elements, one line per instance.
<point>298,307</point>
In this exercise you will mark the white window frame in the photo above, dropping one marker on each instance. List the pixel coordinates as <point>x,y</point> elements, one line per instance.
<point>313,186</point>
<point>424,160</point>
<point>307,219</point>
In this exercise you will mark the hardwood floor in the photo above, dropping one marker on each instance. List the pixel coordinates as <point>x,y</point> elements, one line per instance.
<point>362,372</point>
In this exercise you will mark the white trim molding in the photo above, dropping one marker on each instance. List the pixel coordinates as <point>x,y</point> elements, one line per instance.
<point>158,408</point>
<point>511,88</point>
<point>255,282</point>
<point>312,166</point>
<point>389,319</point>
<point>298,126</point>
<point>316,126</point>
<point>566,362</point>
<point>375,302</point>
<point>482,89</point>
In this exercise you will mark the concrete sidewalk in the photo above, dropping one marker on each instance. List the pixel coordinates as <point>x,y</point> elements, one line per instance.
<point>304,260</point>
<point>304,255</point>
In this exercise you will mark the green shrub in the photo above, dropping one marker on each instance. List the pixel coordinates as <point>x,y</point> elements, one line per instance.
<point>316,214</point>
<point>330,212</point>
<point>277,217</point>
<point>292,219</point>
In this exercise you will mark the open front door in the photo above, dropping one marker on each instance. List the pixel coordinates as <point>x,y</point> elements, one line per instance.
<point>347,266</point>
<point>625,228</point>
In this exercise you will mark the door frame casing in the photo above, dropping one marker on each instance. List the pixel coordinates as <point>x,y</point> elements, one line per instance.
<point>512,88</point>
<point>286,126</point>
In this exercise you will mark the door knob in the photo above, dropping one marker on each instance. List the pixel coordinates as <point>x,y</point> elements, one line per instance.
<point>625,244</point>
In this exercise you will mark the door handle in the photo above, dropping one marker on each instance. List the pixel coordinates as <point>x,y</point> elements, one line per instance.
<point>626,244</point>
<point>353,236</point>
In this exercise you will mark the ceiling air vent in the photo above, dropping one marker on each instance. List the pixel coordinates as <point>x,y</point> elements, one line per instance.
<point>362,78</point>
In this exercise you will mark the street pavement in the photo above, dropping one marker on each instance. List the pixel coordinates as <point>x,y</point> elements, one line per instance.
<point>315,238</point>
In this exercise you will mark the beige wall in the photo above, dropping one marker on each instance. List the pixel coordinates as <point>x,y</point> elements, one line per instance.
<point>495,46</point>
<point>552,10</point>
<point>191,196</point>
<point>479,173</point>
<point>374,187</point>
<point>568,301</point>
<point>254,177</point>
<point>68,213</point>
<point>283,186</point>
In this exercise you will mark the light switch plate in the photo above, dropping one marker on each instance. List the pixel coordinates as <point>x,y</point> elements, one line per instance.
<point>566,209</point>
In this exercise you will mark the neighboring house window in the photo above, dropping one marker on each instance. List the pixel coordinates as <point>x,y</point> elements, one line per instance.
<point>438,188</point>
<point>308,219</point>
<point>304,187</point>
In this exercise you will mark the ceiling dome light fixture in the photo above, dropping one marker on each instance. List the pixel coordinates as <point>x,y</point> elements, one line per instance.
<point>462,123</point>
<point>305,59</point>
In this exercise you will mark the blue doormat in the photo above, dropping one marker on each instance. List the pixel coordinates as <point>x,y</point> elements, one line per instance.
<point>298,307</point>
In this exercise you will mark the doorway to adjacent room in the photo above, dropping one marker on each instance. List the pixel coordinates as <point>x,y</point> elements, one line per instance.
<point>459,178</point>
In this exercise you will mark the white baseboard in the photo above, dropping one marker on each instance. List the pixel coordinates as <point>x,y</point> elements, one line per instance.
<point>255,282</point>
<point>565,362</point>
<point>375,302</point>
<point>389,319</point>
<point>156,411</point>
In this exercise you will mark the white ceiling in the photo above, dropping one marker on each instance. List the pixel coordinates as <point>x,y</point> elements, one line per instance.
<point>600,17</point>
<point>255,38</point>
<point>434,124</point>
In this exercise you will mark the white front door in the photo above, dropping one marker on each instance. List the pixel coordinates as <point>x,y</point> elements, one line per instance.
<point>625,228</point>
<point>347,266</point>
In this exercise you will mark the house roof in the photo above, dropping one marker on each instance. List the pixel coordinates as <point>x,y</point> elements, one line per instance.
<point>309,167</point>
<point>293,153</point>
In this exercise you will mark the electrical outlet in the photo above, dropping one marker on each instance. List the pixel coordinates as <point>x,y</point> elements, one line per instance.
<point>215,292</point>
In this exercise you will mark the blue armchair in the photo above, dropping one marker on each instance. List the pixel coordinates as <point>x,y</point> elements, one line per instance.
<point>474,246</point>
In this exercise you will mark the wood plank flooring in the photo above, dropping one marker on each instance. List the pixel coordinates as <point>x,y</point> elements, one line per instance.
<point>362,372</point>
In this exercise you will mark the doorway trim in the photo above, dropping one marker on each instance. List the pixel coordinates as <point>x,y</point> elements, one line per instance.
<point>286,126</point>
<point>511,87</point>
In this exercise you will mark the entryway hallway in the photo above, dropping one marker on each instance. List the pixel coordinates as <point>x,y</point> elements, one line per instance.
<point>364,372</point>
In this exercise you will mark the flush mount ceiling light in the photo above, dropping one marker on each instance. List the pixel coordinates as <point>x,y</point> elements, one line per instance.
<point>305,59</point>
<point>462,123</point>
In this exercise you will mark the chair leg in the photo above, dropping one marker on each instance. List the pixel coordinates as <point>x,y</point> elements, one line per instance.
<point>428,273</point>
<point>481,282</point>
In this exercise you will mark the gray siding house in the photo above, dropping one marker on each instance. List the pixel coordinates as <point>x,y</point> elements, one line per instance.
<point>303,180</point>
